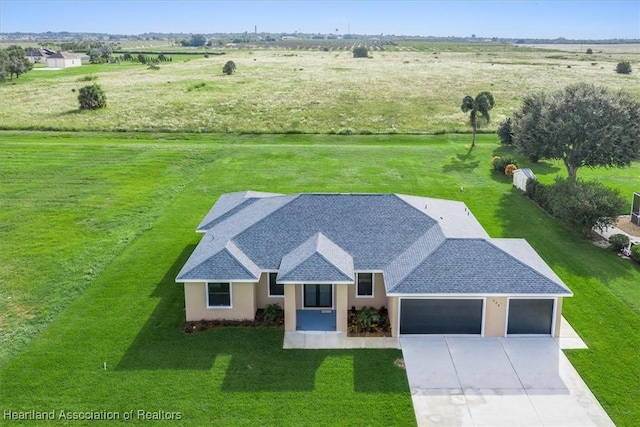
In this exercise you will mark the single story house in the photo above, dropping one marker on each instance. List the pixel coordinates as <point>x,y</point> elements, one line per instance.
<point>428,261</point>
<point>63,60</point>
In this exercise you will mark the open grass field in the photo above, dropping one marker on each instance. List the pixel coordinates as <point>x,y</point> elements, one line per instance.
<point>409,88</point>
<point>95,226</point>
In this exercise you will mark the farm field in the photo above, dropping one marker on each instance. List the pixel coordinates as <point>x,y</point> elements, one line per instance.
<point>409,88</point>
<point>95,227</point>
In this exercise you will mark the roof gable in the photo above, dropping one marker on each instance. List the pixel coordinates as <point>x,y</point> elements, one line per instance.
<point>228,264</point>
<point>316,260</point>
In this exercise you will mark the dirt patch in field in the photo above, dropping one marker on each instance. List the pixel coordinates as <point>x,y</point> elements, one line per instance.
<point>624,223</point>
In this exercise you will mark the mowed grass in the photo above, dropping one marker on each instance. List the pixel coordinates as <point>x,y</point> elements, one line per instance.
<point>124,208</point>
<point>414,88</point>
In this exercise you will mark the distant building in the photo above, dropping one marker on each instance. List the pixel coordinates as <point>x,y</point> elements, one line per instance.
<point>39,55</point>
<point>63,60</point>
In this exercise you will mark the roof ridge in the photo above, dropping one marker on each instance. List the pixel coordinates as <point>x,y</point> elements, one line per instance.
<point>421,260</point>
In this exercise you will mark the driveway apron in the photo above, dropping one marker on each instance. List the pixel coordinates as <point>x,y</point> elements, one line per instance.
<point>472,381</point>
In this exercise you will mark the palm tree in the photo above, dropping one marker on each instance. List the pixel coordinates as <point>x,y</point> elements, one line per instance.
<point>482,104</point>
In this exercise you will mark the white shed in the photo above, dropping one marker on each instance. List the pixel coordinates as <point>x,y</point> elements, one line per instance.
<point>63,60</point>
<point>520,177</point>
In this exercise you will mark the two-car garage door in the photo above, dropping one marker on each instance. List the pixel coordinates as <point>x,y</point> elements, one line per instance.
<point>440,316</point>
<point>464,316</point>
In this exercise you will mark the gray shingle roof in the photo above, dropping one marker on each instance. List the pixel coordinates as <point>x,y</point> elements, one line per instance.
<point>373,228</point>
<point>316,260</point>
<point>227,263</point>
<point>422,245</point>
<point>474,266</point>
<point>229,204</point>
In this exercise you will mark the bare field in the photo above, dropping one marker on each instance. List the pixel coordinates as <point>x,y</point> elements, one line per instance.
<point>306,91</point>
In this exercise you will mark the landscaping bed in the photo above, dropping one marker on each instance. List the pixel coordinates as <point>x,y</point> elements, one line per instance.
<point>368,322</point>
<point>271,316</point>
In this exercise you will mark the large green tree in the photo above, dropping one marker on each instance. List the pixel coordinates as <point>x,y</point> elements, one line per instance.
<point>582,125</point>
<point>478,109</point>
<point>15,61</point>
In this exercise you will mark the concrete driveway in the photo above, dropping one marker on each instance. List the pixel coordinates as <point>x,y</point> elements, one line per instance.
<point>496,382</point>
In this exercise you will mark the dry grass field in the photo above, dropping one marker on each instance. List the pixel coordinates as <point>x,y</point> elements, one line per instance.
<point>414,88</point>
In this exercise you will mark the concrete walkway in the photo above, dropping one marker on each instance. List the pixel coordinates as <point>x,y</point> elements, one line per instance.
<point>497,382</point>
<point>324,339</point>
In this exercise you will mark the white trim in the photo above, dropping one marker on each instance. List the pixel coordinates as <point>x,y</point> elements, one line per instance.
<point>333,297</point>
<point>452,295</point>
<point>269,273</point>
<point>316,282</point>
<point>373,285</point>
<point>217,281</point>
<point>482,324</point>
<point>553,317</point>
<point>219,307</point>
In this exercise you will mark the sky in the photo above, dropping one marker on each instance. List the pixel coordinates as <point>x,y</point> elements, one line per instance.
<point>499,18</point>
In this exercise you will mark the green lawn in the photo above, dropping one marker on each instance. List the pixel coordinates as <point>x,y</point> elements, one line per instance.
<point>94,227</point>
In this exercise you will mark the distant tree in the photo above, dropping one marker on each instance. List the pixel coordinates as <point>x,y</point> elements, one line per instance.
<point>504,132</point>
<point>4,59</point>
<point>105,51</point>
<point>623,67</point>
<point>360,52</point>
<point>16,61</point>
<point>127,56</point>
<point>589,51</point>
<point>582,125</point>
<point>92,97</point>
<point>196,40</point>
<point>229,68</point>
<point>142,59</point>
<point>482,104</point>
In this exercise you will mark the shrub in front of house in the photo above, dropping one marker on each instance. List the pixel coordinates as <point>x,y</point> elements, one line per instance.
<point>635,253</point>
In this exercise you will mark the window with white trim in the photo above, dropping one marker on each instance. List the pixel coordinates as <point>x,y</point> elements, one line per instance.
<point>218,295</point>
<point>275,289</point>
<point>364,285</point>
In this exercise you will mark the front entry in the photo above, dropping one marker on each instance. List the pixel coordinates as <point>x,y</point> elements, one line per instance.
<point>318,296</point>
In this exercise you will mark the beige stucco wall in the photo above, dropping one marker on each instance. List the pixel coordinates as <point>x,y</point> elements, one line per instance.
<point>242,302</point>
<point>290,307</point>
<point>340,302</point>
<point>558,319</point>
<point>262,293</point>
<point>392,308</point>
<point>379,295</point>
<point>495,318</point>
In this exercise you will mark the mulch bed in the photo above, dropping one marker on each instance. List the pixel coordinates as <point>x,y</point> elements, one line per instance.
<point>259,320</point>
<point>381,328</point>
